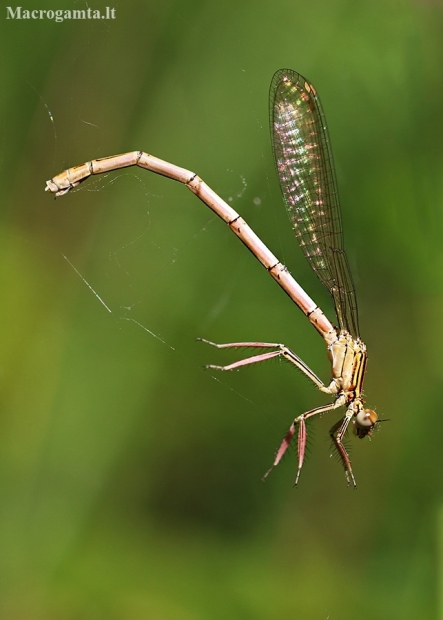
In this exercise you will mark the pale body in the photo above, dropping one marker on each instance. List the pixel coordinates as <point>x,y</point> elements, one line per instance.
<point>304,165</point>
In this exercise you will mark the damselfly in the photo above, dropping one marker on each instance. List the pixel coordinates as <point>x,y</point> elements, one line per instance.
<point>305,169</point>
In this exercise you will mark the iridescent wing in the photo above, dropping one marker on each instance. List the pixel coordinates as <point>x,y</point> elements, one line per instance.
<point>305,169</point>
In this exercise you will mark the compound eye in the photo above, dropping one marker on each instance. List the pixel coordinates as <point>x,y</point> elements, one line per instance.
<point>364,422</point>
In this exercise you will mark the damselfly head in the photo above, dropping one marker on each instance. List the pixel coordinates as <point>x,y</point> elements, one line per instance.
<point>364,422</point>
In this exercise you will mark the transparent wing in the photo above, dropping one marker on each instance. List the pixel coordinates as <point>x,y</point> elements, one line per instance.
<point>305,169</point>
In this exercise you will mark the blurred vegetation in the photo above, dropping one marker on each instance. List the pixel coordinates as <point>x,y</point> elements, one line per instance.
<point>130,477</point>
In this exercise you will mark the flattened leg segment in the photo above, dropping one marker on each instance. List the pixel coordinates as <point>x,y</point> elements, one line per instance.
<point>337,433</point>
<point>280,351</point>
<point>302,437</point>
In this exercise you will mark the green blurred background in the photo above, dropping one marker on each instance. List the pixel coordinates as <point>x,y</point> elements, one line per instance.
<point>130,482</point>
